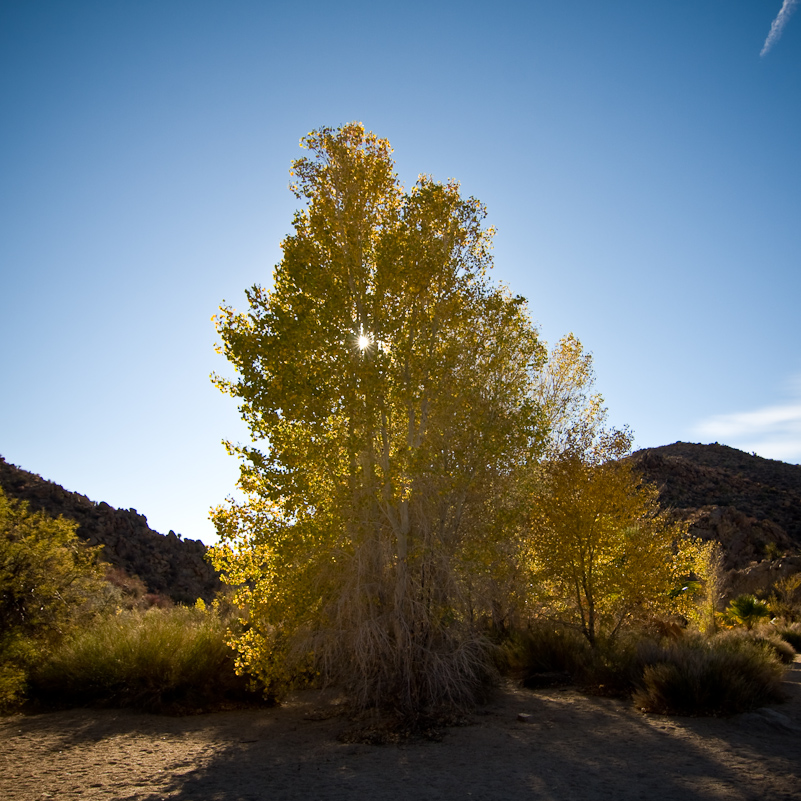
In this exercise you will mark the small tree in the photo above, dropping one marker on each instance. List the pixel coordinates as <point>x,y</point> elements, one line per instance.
<point>394,387</point>
<point>599,549</point>
<point>785,598</point>
<point>709,570</point>
<point>602,552</point>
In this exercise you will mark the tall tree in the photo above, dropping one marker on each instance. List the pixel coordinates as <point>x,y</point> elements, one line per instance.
<point>393,385</point>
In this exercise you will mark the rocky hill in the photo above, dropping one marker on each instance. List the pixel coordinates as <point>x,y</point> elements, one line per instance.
<point>751,505</point>
<point>167,564</point>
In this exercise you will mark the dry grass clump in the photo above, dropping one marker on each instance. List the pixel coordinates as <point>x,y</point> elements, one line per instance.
<point>171,660</point>
<point>421,679</point>
<point>723,675</point>
<point>407,663</point>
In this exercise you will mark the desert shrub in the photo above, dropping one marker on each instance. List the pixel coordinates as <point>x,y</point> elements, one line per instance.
<point>681,674</point>
<point>130,592</point>
<point>548,654</point>
<point>790,633</point>
<point>162,660</point>
<point>616,667</point>
<point>785,651</point>
<point>769,637</point>
<point>695,676</point>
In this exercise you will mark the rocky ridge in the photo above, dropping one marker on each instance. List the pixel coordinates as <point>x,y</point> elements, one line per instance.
<point>168,565</point>
<point>751,505</point>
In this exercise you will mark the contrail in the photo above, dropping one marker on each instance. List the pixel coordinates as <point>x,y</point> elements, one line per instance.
<point>778,25</point>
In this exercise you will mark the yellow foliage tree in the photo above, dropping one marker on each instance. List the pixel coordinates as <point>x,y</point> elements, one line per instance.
<point>599,549</point>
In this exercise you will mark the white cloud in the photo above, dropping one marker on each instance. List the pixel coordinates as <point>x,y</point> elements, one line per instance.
<point>777,27</point>
<point>772,431</point>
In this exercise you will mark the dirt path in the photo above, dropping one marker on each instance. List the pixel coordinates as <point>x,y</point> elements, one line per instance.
<point>573,747</point>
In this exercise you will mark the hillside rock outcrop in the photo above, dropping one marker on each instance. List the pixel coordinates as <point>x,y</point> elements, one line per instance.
<point>745,539</point>
<point>750,505</point>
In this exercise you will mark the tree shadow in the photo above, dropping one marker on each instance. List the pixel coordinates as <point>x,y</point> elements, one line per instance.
<point>573,747</point>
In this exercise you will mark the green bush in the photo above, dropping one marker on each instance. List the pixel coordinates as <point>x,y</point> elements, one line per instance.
<point>49,582</point>
<point>17,653</point>
<point>724,675</point>
<point>160,660</point>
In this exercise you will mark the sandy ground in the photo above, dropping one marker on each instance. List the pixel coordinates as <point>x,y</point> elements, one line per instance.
<point>572,747</point>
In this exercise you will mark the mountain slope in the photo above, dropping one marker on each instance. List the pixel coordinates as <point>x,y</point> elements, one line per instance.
<point>716,475</point>
<point>751,505</point>
<point>167,564</point>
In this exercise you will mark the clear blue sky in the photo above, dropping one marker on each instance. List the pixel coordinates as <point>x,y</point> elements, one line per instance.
<point>640,160</point>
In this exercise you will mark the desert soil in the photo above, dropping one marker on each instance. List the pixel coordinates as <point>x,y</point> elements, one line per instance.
<point>571,747</point>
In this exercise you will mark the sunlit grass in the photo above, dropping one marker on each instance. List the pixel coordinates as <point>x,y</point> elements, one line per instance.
<point>173,660</point>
